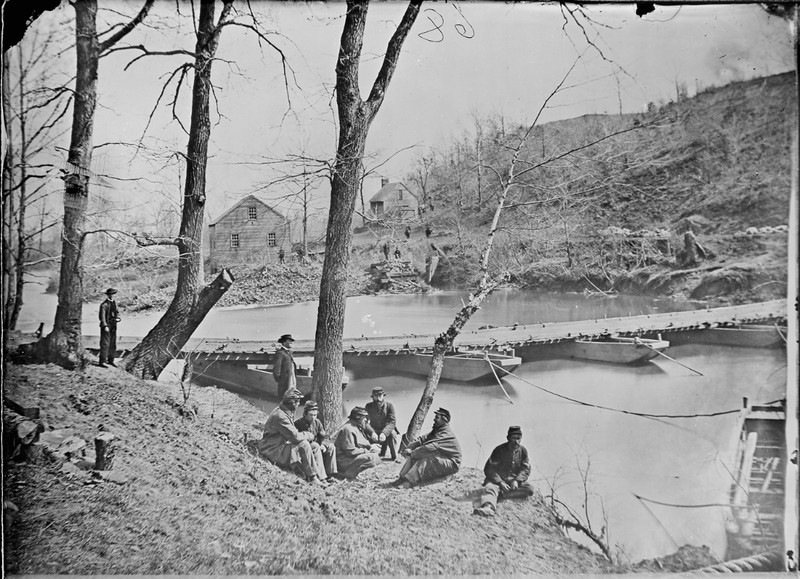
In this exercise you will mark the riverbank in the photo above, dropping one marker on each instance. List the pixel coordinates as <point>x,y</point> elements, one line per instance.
<point>179,467</point>
<point>736,270</point>
<point>175,472</point>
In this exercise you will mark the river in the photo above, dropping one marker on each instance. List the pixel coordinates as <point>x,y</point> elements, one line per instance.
<point>680,461</point>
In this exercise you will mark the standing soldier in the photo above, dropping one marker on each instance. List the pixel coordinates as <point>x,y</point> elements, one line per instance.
<point>408,231</point>
<point>109,316</point>
<point>284,370</point>
<point>281,255</point>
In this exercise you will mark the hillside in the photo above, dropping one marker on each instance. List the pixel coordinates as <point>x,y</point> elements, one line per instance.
<point>607,198</point>
<point>185,497</point>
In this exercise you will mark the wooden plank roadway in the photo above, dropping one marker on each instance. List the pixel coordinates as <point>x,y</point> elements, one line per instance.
<point>508,336</point>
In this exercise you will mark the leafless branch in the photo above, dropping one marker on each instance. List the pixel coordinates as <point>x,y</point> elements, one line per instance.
<point>261,36</point>
<point>147,52</point>
<point>122,32</point>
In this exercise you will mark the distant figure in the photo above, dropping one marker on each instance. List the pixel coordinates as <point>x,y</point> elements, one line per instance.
<point>433,456</point>
<point>428,231</point>
<point>286,446</point>
<point>284,370</point>
<point>310,423</point>
<point>408,231</point>
<point>397,253</point>
<point>386,250</point>
<point>109,316</point>
<point>382,426</point>
<point>354,452</point>
<point>281,256</point>
<point>791,564</point>
<point>507,472</point>
<point>39,331</point>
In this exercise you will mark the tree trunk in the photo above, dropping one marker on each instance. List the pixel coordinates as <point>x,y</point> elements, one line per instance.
<point>355,117</point>
<point>8,205</point>
<point>164,342</point>
<point>442,345</point>
<point>189,306</point>
<point>444,342</point>
<point>64,345</point>
<point>22,204</point>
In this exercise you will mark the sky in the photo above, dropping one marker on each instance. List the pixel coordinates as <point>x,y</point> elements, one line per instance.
<point>460,61</point>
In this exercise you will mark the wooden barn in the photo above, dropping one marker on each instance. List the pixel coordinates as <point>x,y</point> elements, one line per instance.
<point>394,201</point>
<point>250,232</point>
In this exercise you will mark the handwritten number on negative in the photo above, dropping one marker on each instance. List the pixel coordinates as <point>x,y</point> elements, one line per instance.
<point>436,34</point>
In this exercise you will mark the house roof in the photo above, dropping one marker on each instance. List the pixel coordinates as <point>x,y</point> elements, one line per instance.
<point>390,191</point>
<point>249,199</point>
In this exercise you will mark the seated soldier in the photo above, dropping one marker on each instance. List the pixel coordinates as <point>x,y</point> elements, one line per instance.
<point>382,422</point>
<point>354,452</point>
<point>310,423</point>
<point>287,447</point>
<point>506,473</point>
<point>433,456</point>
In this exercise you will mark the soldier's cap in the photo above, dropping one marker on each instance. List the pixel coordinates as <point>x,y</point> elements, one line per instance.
<point>111,291</point>
<point>286,337</point>
<point>358,412</point>
<point>378,390</point>
<point>513,430</point>
<point>444,413</point>
<point>310,405</point>
<point>293,394</point>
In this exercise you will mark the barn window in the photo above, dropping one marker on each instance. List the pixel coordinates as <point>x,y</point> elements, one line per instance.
<point>399,194</point>
<point>234,240</point>
<point>252,212</point>
<point>271,240</point>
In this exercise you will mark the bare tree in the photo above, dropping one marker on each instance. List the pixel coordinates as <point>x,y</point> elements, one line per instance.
<point>190,304</point>
<point>507,179</point>
<point>34,114</point>
<point>355,117</point>
<point>64,345</point>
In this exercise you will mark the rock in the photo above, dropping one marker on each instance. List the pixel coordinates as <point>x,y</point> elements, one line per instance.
<point>73,446</point>
<point>71,469</point>
<point>10,512</point>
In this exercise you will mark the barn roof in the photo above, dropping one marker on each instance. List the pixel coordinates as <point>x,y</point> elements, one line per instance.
<point>242,201</point>
<point>390,191</point>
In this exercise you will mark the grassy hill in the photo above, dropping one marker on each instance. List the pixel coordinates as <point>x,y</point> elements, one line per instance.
<point>721,158</point>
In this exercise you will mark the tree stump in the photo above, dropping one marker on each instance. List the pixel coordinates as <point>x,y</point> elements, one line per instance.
<point>104,451</point>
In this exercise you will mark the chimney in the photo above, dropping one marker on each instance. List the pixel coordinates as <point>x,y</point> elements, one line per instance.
<point>384,182</point>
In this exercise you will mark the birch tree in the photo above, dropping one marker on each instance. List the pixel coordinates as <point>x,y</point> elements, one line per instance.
<point>355,117</point>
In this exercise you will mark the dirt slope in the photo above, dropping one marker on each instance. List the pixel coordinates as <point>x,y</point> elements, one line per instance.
<point>191,500</point>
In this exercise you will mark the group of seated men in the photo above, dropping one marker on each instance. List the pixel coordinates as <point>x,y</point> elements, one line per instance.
<point>304,446</point>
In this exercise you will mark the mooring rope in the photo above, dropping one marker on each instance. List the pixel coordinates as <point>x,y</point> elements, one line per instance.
<point>631,412</point>
<point>772,561</point>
